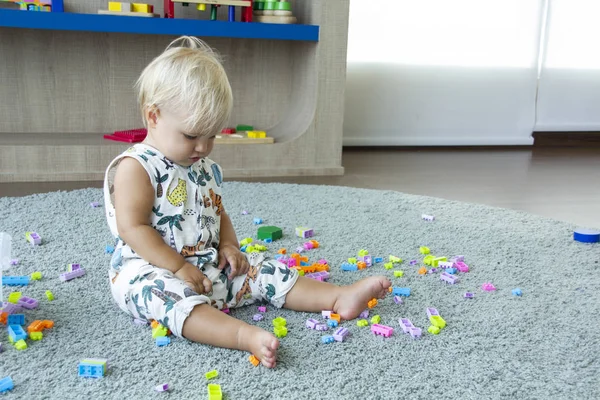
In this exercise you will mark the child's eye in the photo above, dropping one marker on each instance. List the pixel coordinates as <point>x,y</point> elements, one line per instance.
<point>189,137</point>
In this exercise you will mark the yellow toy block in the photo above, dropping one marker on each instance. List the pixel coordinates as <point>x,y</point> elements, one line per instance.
<point>214,392</point>
<point>119,6</point>
<point>257,134</point>
<point>20,345</point>
<point>141,7</point>
<point>211,374</point>
<point>159,331</point>
<point>395,260</point>
<point>14,297</point>
<point>434,330</point>
<point>398,274</point>
<point>424,250</point>
<point>437,260</point>
<point>246,241</point>
<point>279,321</point>
<point>428,260</point>
<point>49,295</point>
<point>280,331</point>
<point>36,276</point>
<point>36,335</point>
<point>375,319</point>
<point>437,321</point>
<point>362,322</point>
<point>388,265</point>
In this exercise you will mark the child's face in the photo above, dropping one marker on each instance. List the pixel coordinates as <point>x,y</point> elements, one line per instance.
<point>167,133</point>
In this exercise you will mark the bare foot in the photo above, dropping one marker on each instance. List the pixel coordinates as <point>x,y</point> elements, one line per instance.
<point>353,299</point>
<point>259,342</point>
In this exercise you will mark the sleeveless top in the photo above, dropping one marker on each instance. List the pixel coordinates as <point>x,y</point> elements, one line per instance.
<point>187,206</point>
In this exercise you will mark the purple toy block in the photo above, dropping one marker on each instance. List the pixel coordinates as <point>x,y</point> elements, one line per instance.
<point>244,212</point>
<point>459,258</point>
<point>27,302</point>
<point>262,309</point>
<point>446,277</point>
<point>326,314</point>
<point>67,276</point>
<point>311,323</point>
<point>488,287</point>
<point>321,327</point>
<point>10,308</point>
<point>94,204</point>
<point>257,317</point>
<point>431,312</point>
<point>398,300</point>
<point>469,295</point>
<point>299,249</point>
<point>461,266</point>
<point>405,324</point>
<point>364,314</point>
<point>225,310</point>
<point>162,388</point>
<point>14,261</point>
<point>445,264</point>
<point>432,271</point>
<point>415,332</point>
<point>413,262</point>
<point>340,334</point>
<point>140,322</point>
<point>367,260</point>
<point>74,267</point>
<point>319,276</point>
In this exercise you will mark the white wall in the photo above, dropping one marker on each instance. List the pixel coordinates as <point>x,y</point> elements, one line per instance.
<point>438,72</point>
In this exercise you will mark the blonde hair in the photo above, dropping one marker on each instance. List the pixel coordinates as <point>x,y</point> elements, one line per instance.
<point>188,78</point>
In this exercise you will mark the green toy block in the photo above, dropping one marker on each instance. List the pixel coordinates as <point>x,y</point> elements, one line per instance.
<point>362,253</point>
<point>375,319</point>
<point>245,241</point>
<point>437,321</point>
<point>36,276</point>
<point>244,128</point>
<point>424,250</point>
<point>211,374</point>
<point>395,260</point>
<point>269,232</point>
<point>388,265</point>
<point>49,295</point>
<point>159,331</point>
<point>14,297</point>
<point>21,345</point>
<point>279,321</point>
<point>437,260</point>
<point>434,330</point>
<point>362,322</point>
<point>280,331</point>
<point>398,274</point>
<point>36,335</point>
<point>352,260</point>
<point>214,392</point>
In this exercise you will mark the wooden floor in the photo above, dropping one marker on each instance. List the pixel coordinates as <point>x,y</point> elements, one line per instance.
<point>558,183</point>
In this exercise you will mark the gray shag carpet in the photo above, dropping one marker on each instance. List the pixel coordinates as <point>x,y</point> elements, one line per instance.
<point>543,345</point>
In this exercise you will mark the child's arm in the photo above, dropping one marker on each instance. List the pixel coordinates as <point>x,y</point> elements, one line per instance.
<point>229,249</point>
<point>134,199</point>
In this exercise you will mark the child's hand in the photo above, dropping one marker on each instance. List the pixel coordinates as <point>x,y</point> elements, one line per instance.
<point>194,278</point>
<point>232,255</point>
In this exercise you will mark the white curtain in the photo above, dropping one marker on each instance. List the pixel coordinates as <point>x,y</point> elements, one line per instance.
<point>442,72</point>
<point>569,86</point>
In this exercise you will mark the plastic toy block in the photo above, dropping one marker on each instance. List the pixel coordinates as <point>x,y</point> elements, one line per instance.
<point>437,260</point>
<point>162,387</point>
<point>260,247</point>
<point>398,291</point>
<point>461,266</point>
<point>432,271</point>
<point>279,321</point>
<point>67,276</point>
<point>253,360</point>
<point>225,310</point>
<point>14,297</point>
<point>398,274</point>
<point>458,258</point>
<point>36,276</point>
<point>438,321</point>
<point>323,261</point>
<point>352,260</point>
<point>405,324</point>
<point>413,262</point>
<point>446,264</point>
<point>268,240</point>
<point>94,204</point>
<point>362,323</point>
<point>163,341</point>
<point>326,314</point>
<point>33,238</point>
<point>109,249</point>
<point>36,326</point>
<point>361,265</point>
<point>3,318</point>
<point>372,303</point>
<point>228,131</point>
<point>16,319</point>
<point>488,287</point>
<point>378,259</point>
<point>304,233</point>
<point>332,323</point>
<point>128,136</point>
<point>11,308</point>
<point>321,267</point>
<point>211,374</point>
<point>14,261</point>
<point>327,339</point>
<point>517,292</point>
<point>424,250</point>
<point>385,331</point>
<point>142,8</point>
<point>427,217</point>
<point>262,309</point>
<point>154,323</point>
<point>340,334</point>
<point>364,314</point>
<point>244,128</point>
<point>282,251</point>
<point>244,212</point>
<point>48,324</point>
<point>300,249</point>
<point>246,241</point>
<point>257,221</point>
<point>28,303</point>
<point>311,323</point>
<point>90,370</point>
<point>388,265</point>
<point>375,319</point>
<point>36,335</point>
<point>298,258</point>
<point>422,271</point>
<point>395,260</point>
<point>16,333</point>
<point>434,330</point>
<point>73,267</point>
<point>15,280</point>
<point>468,295</point>
<point>308,246</point>
<point>451,279</point>
<point>428,260</point>
<point>398,300</point>
<point>335,316</point>
<point>119,6</point>
<point>451,271</point>
<point>586,235</point>
<point>20,344</point>
<point>269,232</point>
<point>349,267</point>
<point>49,295</point>
<point>366,259</point>
<point>257,134</point>
<point>321,327</point>
<point>257,317</point>
<point>280,331</point>
<point>319,276</point>
<point>250,249</point>
<point>159,331</point>
<point>362,252</point>
<point>6,384</point>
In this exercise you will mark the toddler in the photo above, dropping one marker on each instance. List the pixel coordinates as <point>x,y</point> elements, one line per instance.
<point>177,259</point>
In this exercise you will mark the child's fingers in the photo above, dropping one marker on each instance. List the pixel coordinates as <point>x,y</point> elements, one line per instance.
<point>234,269</point>
<point>207,285</point>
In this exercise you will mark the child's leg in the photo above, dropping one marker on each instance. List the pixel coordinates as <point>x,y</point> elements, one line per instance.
<point>206,324</point>
<point>348,301</point>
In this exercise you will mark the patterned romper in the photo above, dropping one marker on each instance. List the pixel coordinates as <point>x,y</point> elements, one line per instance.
<point>187,214</point>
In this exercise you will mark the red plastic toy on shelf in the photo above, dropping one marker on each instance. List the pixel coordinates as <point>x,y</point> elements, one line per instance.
<point>128,136</point>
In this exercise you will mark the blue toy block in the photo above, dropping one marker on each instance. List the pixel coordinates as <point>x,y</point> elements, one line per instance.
<point>398,291</point>
<point>258,221</point>
<point>15,280</point>
<point>268,240</point>
<point>517,292</point>
<point>451,271</point>
<point>332,323</point>
<point>6,384</point>
<point>16,319</point>
<point>109,249</point>
<point>58,6</point>
<point>162,341</point>
<point>90,370</point>
<point>243,249</point>
<point>279,256</point>
<point>327,339</point>
<point>16,333</point>
<point>378,259</point>
<point>349,267</point>
<point>304,264</point>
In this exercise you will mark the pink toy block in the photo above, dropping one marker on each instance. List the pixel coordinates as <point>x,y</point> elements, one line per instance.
<point>488,287</point>
<point>385,331</point>
<point>323,261</point>
<point>67,276</point>
<point>340,334</point>
<point>308,246</point>
<point>27,302</point>
<point>461,266</point>
<point>128,136</point>
<point>262,309</point>
<point>311,323</point>
<point>326,314</point>
<point>225,310</point>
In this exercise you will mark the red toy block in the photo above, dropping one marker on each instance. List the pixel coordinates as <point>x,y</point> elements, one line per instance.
<point>128,136</point>
<point>228,131</point>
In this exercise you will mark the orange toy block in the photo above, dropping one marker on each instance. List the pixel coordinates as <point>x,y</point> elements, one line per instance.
<point>372,303</point>
<point>255,361</point>
<point>422,271</point>
<point>282,251</point>
<point>361,265</point>
<point>308,269</point>
<point>335,316</point>
<point>299,258</point>
<point>48,324</point>
<point>321,267</point>
<point>36,326</point>
<point>314,243</point>
<point>154,324</point>
<point>3,317</point>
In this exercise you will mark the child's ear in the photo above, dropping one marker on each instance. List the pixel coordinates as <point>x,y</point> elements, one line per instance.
<point>152,114</point>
